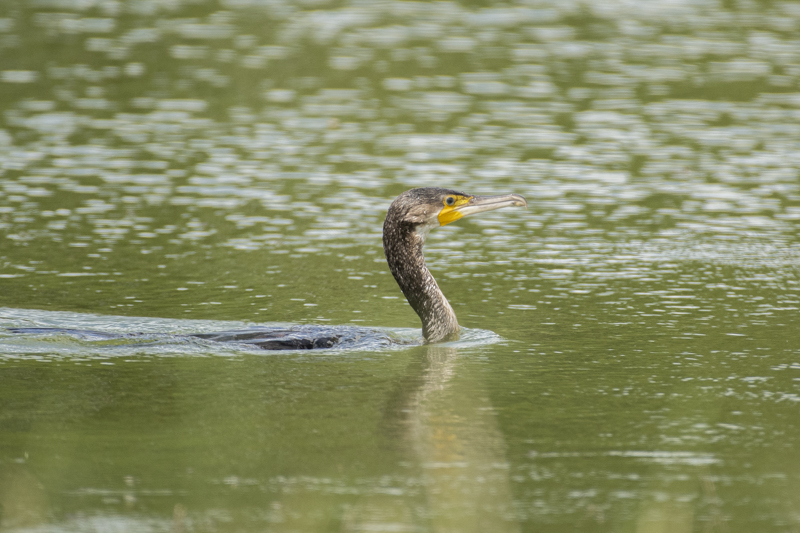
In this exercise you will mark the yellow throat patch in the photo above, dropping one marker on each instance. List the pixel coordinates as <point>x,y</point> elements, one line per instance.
<point>450,213</point>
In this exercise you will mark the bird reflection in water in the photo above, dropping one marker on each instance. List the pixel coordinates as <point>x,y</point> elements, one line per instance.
<point>441,419</point>
<point>23,500</point>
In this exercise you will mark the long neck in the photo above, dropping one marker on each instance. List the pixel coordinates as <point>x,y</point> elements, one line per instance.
<point>403,247</point>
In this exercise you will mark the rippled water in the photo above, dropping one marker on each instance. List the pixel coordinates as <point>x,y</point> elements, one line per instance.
<point>631,358</point>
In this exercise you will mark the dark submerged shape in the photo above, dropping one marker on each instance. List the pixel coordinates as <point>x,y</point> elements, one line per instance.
<point>411,216</point>
<point>303,337</point>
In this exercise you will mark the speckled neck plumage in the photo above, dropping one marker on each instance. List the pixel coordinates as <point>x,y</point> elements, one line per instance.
<point>402,243</point>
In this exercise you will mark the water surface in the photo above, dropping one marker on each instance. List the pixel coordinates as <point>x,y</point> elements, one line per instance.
<point>188,166</point>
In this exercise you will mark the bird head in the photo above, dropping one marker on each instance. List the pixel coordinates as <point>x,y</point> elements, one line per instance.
<point>429,207</point>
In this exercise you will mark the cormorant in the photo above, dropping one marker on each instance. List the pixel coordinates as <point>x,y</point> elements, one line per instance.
<point>409,219</point>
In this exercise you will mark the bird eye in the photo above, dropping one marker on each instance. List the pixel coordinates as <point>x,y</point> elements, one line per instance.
<point>450,200</point>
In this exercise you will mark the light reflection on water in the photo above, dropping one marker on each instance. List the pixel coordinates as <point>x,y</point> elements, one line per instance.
<point>232,163</point>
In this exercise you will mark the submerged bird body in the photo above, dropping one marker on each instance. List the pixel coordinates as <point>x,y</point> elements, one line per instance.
<point>409,219</point>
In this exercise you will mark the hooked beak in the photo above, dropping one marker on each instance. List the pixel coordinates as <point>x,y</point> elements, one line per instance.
<point>479,204</point>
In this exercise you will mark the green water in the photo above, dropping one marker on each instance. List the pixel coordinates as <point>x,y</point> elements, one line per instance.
<point>630,363</point>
